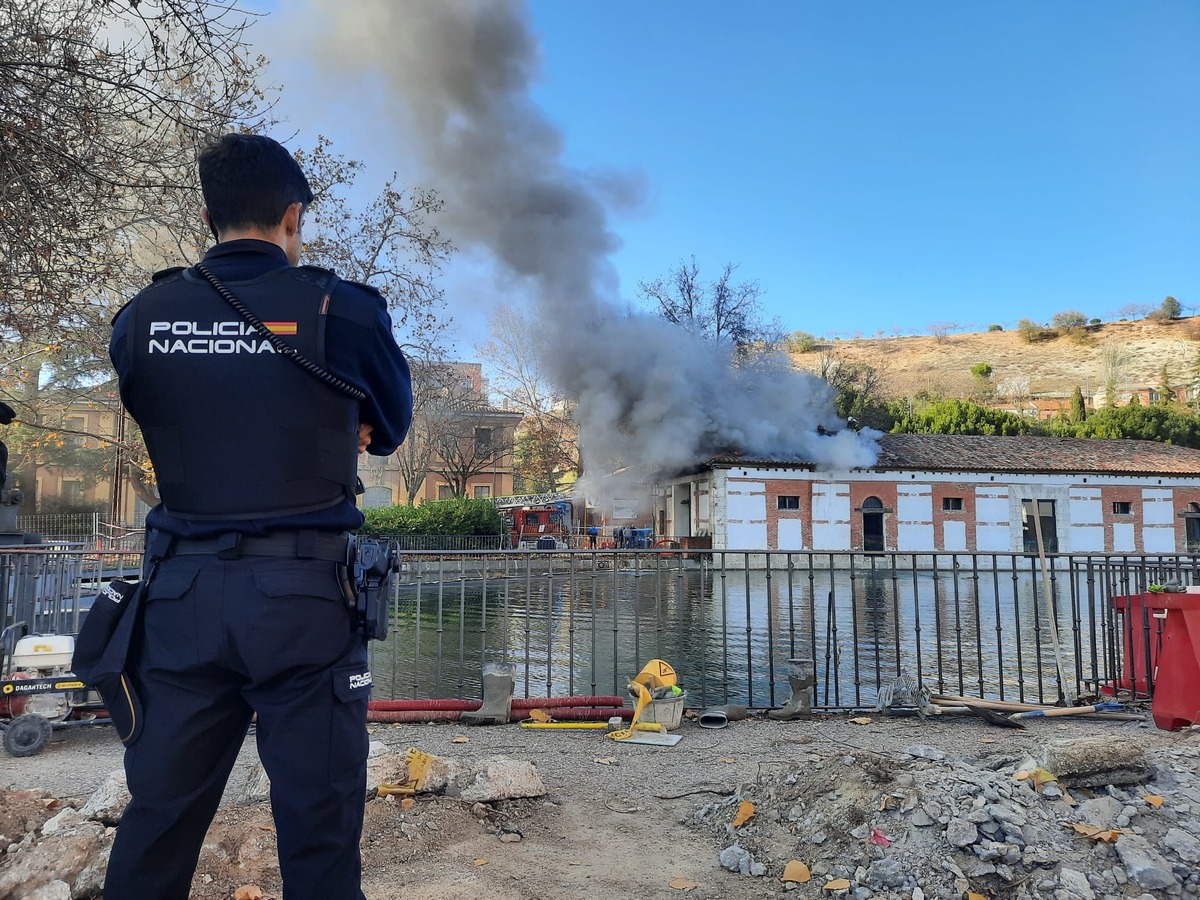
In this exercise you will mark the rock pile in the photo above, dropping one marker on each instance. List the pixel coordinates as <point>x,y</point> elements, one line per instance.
<point>919,825</point>
<point>62,853</point>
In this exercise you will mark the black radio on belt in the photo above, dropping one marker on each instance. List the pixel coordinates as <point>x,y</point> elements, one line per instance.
<point>375,564</point>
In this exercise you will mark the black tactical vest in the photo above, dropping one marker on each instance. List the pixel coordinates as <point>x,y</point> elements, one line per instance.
<point>234,429</point>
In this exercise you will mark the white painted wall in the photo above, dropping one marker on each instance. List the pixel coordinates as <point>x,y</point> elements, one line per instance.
<point>993,528</point>
<point>1156,507</point>
<point>747,501</point>
<point>954,535</point>
<point>831,516</point>
<point>747,514</point>
<point>914,517</point>
<point>1086,539</point>
<point>1158,521</point>
<point>1123,537</point>
<point>791,534</point>
<point>1086,508</point>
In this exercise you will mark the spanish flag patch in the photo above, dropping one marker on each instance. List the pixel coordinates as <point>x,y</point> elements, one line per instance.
<point>281,327</point>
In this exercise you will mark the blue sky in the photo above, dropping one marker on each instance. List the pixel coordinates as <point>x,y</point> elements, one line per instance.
<point>875,166</point>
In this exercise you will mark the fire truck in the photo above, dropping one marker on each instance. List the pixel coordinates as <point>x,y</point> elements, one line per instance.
<point>537,521</point>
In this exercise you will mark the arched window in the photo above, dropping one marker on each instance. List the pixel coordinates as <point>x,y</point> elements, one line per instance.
<point>1191,528</point>
<point>872,530</point>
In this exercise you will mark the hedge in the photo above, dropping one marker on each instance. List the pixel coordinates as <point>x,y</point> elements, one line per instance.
<point>442,517</point>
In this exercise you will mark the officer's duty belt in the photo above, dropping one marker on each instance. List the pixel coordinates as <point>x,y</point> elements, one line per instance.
<point>287,544</point>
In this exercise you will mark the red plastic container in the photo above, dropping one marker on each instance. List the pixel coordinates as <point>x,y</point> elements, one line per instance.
<point>1177,680</point>
<point>1134,612</point>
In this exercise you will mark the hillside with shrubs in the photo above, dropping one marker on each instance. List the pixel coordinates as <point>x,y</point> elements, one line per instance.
<point>1005,380</point>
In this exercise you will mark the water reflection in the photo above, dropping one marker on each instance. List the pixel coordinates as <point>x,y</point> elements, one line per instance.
<point>570,625</point>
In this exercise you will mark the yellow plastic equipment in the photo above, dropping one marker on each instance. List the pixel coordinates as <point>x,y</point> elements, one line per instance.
<point>643,695</point>
<point>657,673</point>
<point>417,765</point>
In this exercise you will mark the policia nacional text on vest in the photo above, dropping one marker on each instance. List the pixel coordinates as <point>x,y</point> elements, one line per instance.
<point>277,442</point>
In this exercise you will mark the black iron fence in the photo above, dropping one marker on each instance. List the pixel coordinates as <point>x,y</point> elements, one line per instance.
<point>986,625</point>
<point>583,622</point>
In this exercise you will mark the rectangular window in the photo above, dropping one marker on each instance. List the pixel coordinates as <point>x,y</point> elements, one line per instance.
<point>72,492</point>
<point>787,501</point>
<point>483,440</point>
<point>1046,519</point>
<point>483,491</point>
<point>1122,508</point>
<point>445,492</point>
<point>952,504</point>
<point>74,424</point>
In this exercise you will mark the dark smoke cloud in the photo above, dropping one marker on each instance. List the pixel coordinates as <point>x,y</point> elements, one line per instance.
<point>459,75</point>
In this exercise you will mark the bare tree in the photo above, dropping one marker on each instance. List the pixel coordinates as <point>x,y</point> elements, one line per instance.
<point>720,310</point>
<point>1016,389</point>
<point>436,389</point>
<point>470,441</point>
<point>549,439</point>
<point>102,107</point>
<point>1114,364</point>
<point>389,244</point>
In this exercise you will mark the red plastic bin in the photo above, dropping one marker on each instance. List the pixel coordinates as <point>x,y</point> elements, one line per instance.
<point>1134,611</point>
<point>1177,679</point>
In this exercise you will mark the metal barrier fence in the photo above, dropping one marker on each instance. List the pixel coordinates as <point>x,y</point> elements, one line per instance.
<point>583,622</point>
<point>478,543</point>
<point>50,590</point>
<point>93,529</point>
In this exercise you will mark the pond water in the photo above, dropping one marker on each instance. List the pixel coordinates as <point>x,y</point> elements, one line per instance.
<point>571,627</point>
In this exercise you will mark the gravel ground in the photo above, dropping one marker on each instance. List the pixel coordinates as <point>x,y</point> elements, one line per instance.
<point>645,821</point>
<point>77,760</point>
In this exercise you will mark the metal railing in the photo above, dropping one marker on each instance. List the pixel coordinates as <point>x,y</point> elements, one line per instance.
<point>50,590</point>
<point>92,529</point>
<point>475,543</point>
<point>583,622</point>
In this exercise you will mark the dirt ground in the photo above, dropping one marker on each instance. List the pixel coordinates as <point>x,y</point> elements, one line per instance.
<point>618,820</point>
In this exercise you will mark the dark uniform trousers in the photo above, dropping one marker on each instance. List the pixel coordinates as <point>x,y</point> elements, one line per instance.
<point>225,638</point>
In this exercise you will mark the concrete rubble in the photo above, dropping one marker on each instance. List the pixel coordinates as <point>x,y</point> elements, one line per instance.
<point>911,823</point>
<point>1118,824</point>
<point>65,858</point>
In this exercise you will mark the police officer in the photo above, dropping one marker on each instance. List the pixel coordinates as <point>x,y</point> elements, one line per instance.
<point>246,610</point>
<point>7,414</point>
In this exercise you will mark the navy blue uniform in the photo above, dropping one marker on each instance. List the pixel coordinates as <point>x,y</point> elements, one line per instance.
<point>248,614</point>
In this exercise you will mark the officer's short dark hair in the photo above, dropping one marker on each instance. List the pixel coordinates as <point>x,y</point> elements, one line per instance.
<point>249,181</point>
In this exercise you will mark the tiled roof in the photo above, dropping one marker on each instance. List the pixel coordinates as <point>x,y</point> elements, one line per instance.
<point>1024,454</point>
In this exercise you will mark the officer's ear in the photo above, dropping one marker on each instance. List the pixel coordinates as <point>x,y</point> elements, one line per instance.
<point>291,218</point>
<point>207,220</point>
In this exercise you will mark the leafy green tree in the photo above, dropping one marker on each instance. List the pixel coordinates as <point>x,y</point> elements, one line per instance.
<point>1032,333</point>
<point>960,417</point>
<point>981,370</point>
<point>1146,423</point>
<point>1170,308</point>
<point>1067,319</point>
<point>803,342</point>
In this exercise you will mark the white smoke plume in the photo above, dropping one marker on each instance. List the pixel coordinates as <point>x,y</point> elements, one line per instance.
<point>649,394</point>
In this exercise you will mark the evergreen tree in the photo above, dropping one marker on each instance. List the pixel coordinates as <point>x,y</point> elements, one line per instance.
<point>1078,411</point>
<point>1165,394</point>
